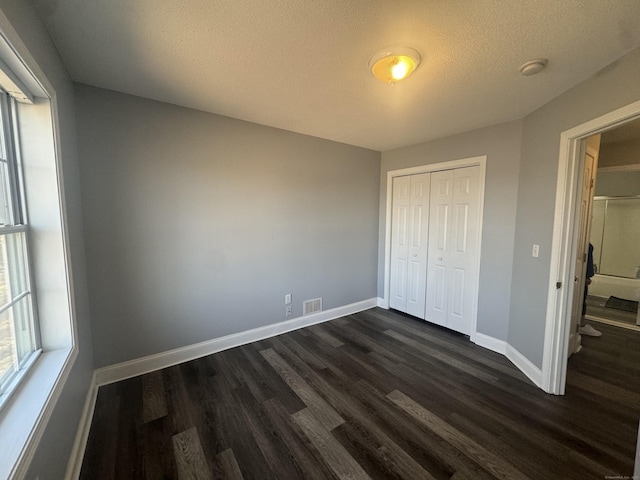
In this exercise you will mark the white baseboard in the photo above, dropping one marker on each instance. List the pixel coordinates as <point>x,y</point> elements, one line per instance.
<point>491,343</point>
<point>520,361</point>
<point>503,348</point>
<point>139,366</point>
<point>382,303</point>
<point>82,435</point>
<point>528,368</point>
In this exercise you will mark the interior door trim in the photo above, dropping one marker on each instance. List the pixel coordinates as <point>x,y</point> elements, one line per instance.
<point>564,244</point>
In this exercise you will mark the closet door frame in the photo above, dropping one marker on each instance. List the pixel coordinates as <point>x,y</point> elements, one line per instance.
<point>480,161</point>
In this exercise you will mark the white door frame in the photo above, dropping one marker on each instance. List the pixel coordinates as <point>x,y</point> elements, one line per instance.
<point>564,244</point>
<point>465,162</point>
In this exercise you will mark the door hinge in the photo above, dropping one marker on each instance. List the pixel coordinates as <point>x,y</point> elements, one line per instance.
<point>558,285</point>
<point>592,183</point>
<point>584,257</point>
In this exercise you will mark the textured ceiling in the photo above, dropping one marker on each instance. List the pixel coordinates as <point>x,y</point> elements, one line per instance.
<point>301,65</point>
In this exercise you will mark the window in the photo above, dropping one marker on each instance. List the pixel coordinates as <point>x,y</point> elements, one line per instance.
<point>19,342</point>
<point>38,346</point>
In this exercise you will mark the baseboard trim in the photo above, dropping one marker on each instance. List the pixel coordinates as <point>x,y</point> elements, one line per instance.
<point>525,366</point>
<point>514,356</point>
<point>140,366</point>
<point>382,303</point>
<point>491,343</point>
<point>82,435</point>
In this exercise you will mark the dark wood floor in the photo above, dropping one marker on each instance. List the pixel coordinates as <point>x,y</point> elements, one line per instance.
<point>374,395</point>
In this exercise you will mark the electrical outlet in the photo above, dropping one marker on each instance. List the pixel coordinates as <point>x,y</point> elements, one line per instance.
<point>287,311</point>
<point>287,299</point>
<point>536,250</point>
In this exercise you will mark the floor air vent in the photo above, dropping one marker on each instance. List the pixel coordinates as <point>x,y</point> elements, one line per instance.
<point>312,306</point>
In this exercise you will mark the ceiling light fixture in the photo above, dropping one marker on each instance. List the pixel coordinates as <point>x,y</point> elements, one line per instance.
<point>533,66</point>
<point>394,64</point>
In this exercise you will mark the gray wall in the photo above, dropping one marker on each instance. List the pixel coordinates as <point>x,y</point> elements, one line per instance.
<point>50,459</point>
<point>501,145</point>
<point>197,225</point>
<point>613,87</point>
<point>619,153</point>
<point>618,184</point>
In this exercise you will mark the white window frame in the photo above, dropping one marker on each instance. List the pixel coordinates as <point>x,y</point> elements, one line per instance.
<point>18,224</point>
<point>25,416</point>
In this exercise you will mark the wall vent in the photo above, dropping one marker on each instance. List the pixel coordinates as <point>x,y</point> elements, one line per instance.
<point>312,306</point>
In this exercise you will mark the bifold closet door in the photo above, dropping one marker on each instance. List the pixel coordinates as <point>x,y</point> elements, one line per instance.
<point>453,248</point>
<point>409,234</point>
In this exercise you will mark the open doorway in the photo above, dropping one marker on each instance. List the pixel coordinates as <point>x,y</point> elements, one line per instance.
<point>614,257</point>
<point>607,269</point>
<point>615,230</point>
<point>565,242</point>
<point>584,265</point>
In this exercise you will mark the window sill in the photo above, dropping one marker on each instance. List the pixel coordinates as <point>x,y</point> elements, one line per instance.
<point>24,417</point>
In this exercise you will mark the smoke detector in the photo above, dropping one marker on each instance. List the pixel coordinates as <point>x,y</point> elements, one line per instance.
<point>533,66</point>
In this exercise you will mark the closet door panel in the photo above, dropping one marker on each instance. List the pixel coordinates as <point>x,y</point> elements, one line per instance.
<point>453,245</point>
<point>438,248</point>
<point>414,282</point>
<point>417,279</point>
<point>399,242</point>
<point>463,256</point>
<point>410,226</point>
<point>457,302</point>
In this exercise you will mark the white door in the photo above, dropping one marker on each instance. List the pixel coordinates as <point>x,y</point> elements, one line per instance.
<point>584,229</point>
<point>409,234</point>
<point>440,211</point>
<point>453,248</point>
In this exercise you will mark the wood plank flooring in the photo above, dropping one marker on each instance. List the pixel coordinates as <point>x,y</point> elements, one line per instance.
<point>375,395</point>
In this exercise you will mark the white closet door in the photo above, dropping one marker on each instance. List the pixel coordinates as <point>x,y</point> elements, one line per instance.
<point>410,224</point>
<point>465,240</point>
<point>419,234</point>
<point>453,248</point>
<point>399,242</point>
<point>439,246</point>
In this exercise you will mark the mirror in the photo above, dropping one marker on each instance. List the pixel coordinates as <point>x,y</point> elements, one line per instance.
<point>615,235</point>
